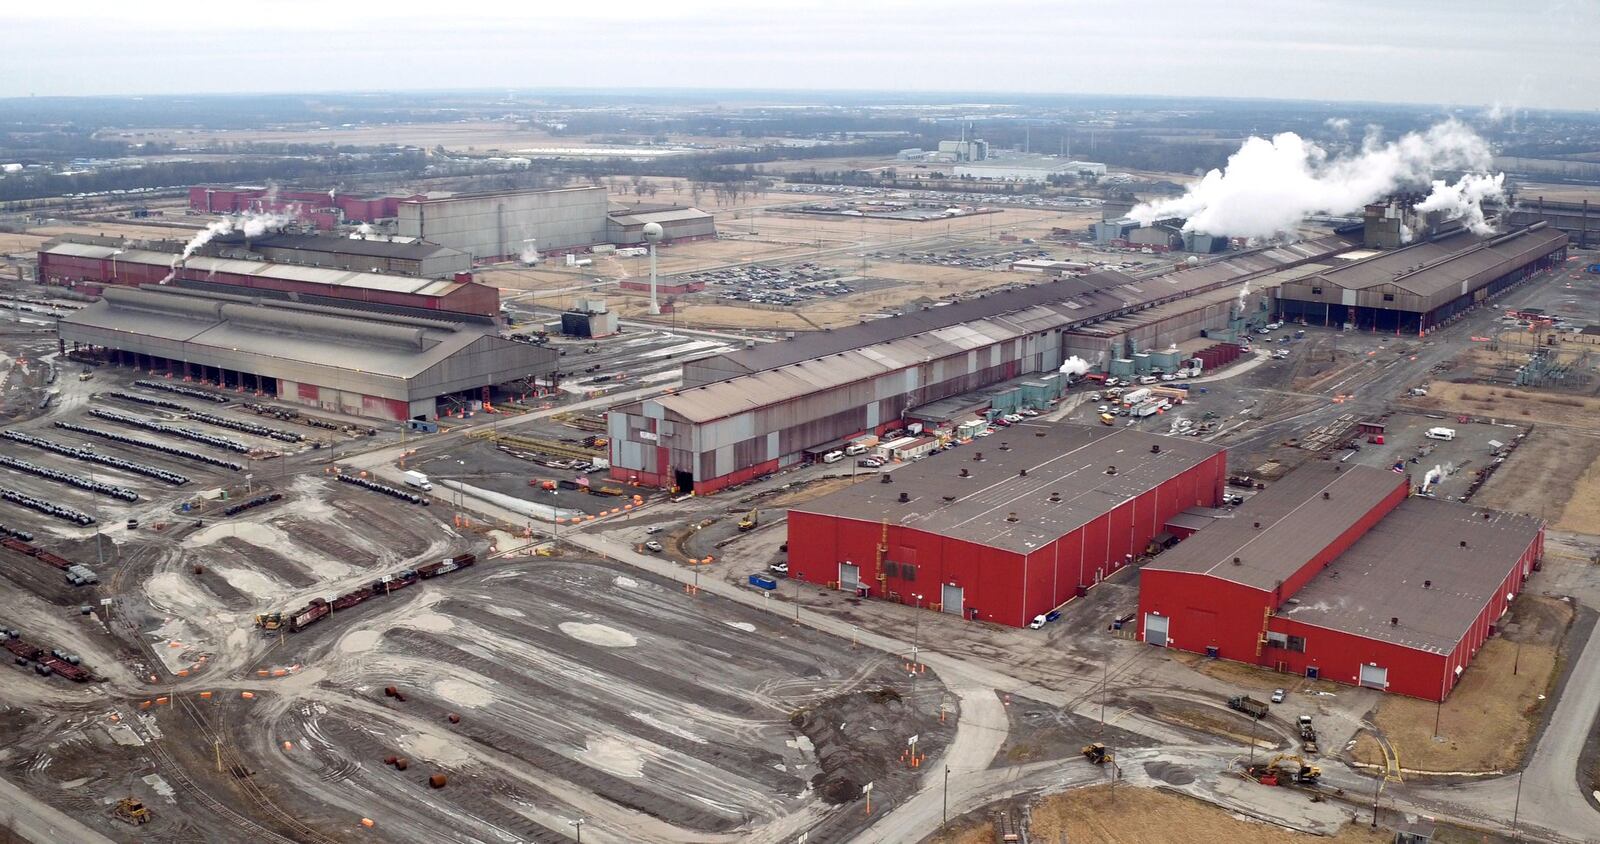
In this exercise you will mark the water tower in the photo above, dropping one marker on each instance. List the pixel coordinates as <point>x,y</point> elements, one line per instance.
<point>652,236</point>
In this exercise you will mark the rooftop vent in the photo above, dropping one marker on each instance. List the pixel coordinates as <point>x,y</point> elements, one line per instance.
<point>1237,561</point>
<point>1463,543</point>
<point>1258,525</point>
<point>1011,517</point>
<point>1039,433</point>
<point>1326,495</point>
<point>1111,470</point>
<point>1394,621</point>
<point>1055,496</point>
<point>1005,446</point>
<point>965,473</point>
<point>1155,449</point>
<point>887,478</point>
<point>1427,584</point>
<point>977,455</point>
<point>905,498</point>
<point>1022,473</point>
<point>949,498</point>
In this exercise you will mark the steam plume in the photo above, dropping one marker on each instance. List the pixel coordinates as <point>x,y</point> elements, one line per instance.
<point>1074,367</point>
<point>530,255</point>
<point>1431,478</point>
<point>1269,186</point>
<point>251,224</point>
<point>1464,199</point>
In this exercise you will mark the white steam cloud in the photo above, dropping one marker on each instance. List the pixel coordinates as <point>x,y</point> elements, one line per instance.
<point>1074,367</point>
<point>1269,186</point>
<point>1464,199</point>
<point>1244,290</point>
<point>530,255</point>
<point>1432,477</point>
<point>363,230</point>
<point>251,223</point>
<point>1339,125</point>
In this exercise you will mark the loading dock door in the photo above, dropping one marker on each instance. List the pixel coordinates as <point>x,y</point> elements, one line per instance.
<point>1155,629</point>
<point>952,596</point>
<point>849,576</point>
<point>1374,677</point>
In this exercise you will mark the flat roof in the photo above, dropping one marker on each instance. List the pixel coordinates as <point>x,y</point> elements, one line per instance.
<point>412,250</point>
<point>1297,523</point>
<point>206,267</point>
<point>1381,576</point>
<point>638,217</point>
<point>1070,460</point>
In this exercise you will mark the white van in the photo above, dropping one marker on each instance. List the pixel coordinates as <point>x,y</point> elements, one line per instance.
<point>1441,434</point>
<point>855,448</point>
<point>833,457</point>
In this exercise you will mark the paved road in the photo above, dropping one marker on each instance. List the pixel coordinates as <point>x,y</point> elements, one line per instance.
<point>38,822</point>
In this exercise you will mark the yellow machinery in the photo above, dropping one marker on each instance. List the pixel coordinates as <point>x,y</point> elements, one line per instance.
<point>269,621</point>
<point>1107,419</point>
<point>132,811</point>
<point>1097,753</point>
<point>750,520</point>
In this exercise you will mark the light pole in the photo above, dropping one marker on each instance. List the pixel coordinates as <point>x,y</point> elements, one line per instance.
<point>1516,809</point>
<point>796,601</point>
<point>652,235</point>
<point>944,820</point>
<point>578,825</point>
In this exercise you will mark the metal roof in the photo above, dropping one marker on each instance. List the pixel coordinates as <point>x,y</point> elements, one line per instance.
<point>1382,576</point>
<point>1296,523</point>
<point>405,251</point>
<point>202,266</point>
<point>1070,460</point>
<point>671,215</point>
<point>1447,261</point>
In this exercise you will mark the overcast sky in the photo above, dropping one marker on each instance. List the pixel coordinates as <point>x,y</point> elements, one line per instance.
<point>1471,52</point>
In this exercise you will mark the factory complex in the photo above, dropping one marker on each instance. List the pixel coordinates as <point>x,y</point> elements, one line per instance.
<point>1006,528</point>
<point>1335,573</point>
<point>357,362</point>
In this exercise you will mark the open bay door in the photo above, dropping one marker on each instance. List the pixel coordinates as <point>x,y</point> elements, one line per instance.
<point>953,597</point>
<point>1374,677</point>
<point>1155,629</point>
<point>849,576</point>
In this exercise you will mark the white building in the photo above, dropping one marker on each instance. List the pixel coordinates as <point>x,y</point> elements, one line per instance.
<point>1028,168</point>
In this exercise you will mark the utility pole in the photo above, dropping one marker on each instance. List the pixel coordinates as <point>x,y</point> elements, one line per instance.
<point>1516,810</point>
<point>944,820</point>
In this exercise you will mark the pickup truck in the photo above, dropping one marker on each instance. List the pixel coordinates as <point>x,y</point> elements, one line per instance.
<point>1041,620</point>
<point>1249,706</point>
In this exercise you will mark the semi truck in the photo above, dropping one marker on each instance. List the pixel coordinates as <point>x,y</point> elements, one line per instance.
<point>418,480</point>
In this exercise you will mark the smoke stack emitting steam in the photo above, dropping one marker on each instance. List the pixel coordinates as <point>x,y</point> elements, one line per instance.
<point>1269,187</point>
<point>251,223</point>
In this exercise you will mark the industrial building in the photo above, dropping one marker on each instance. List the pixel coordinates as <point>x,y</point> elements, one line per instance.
<point>1421,286</point>
<point>381,366</point>
<point>323,208</point>
<point>70,262</point>
<point>1018,167</point>
<point>491,226</point>
<point>755,411</point>
<point>371,254</point>
<point>964,149</point>
<point>625,226</point>
<point>1335,573</point>
<point>1006,528</point>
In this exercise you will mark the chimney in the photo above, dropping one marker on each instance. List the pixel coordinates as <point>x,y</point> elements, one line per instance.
<point>905,498</point>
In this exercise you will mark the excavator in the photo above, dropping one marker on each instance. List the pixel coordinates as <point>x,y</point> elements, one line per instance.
<point>750,520</point>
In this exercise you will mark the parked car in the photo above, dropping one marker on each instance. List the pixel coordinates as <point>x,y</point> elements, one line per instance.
<point>653,547</point>
<point>653,530</point>
<point>1277,695</point>
<point>1013,417</point>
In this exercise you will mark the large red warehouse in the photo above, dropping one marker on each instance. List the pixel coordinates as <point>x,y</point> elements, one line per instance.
<point>1333,572</point>
<point>1008,527</point>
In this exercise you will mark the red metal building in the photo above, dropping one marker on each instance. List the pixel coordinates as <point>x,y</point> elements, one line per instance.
<point>1334,573</point>
<point>69,263</point>
<point>1007,529</point>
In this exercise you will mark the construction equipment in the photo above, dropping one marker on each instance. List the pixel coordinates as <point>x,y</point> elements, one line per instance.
<point>750,520</point>
<point>269,621</point>
<point>1283,769</point>
<point>1097,753</point>
<point>131,811</point>
<point>1308,735</point>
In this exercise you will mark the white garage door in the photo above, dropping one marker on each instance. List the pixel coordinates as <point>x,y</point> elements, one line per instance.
<point>849,576</point>
<point>1155,629</point>
<point>1374,677</point>
<point>953,598</point>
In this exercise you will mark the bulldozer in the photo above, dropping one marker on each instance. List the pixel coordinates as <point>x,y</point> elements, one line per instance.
<point>750,520</point>
<point>269,621</point>
<point>1097,753</point>
<point>131,811</point>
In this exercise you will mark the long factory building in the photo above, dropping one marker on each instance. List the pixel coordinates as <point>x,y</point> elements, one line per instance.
<point>761,409</point>
<point>1006,528</point>
<point>357,362</point>
<point>1334,573</point>
<point>103,261</point>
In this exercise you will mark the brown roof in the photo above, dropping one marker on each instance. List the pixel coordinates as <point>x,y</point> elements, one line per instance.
<point>1381,577</point>
<point>1070,460</point>
<point>1296,524</point>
